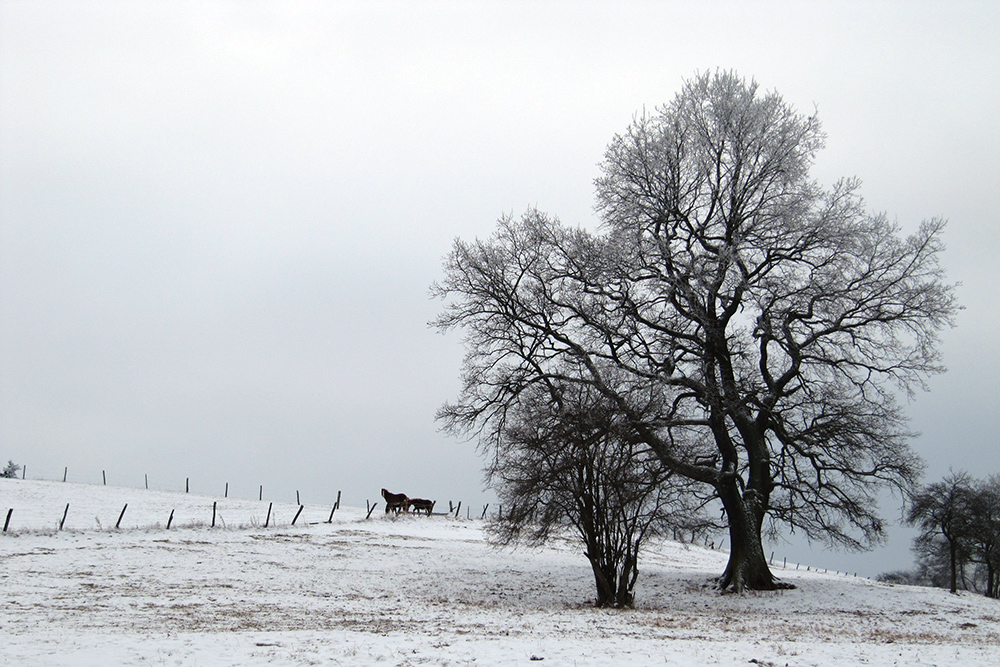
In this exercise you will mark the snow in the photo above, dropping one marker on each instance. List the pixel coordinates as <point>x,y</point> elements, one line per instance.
<point>414,591</point>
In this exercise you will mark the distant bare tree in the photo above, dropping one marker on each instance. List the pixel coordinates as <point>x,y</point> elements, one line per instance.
<point>959,542</point>
<point>564,459</point>
<point>11,470</point>
<point>772,322</point>
<point>943,510</point>
<point>984,536</point>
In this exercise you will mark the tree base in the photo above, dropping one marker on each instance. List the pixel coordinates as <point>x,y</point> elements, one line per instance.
<point>775,585</point>
<point>762,580</point>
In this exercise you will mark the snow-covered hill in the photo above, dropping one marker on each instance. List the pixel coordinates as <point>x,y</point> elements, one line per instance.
<point>411,591</point>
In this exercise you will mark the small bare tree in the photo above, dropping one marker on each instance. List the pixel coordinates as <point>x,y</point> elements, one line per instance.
<point>564,460</point>
<point>959,542</point>
<point>942,509</point>
<point>984,538</point>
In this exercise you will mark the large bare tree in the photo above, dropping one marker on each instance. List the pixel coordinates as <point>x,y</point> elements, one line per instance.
<point>752,327</point>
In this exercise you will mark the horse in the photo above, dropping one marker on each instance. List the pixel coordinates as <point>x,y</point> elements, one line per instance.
<point>421,505</point>
<point>395,502</point>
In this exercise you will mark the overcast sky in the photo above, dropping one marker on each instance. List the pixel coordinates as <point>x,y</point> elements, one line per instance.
<point>219,220</point>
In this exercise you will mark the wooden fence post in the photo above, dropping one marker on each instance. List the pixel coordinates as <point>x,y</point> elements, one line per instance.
<point>227,490</point>
<point>458,508</point>
<point>330,520</point>
<point>146,475</point>
<point>65,472</point>
<point>24,472</point>
<point>261,492</point>
<point>268,519</point>
<point>170,520</point>
<point>213,513</point>
<point>370,509</point>
<point>187,485</point>
<point>297,501</point>
<point>336,505</point>
<point>301,507</point>
<point>65,512</point>
<point>119,522</point>
<point>7,522</point>
<point>104,474</point>
<point>484,511</point>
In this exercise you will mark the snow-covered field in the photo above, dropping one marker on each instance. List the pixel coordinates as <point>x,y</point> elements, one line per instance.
<point>412,591</point>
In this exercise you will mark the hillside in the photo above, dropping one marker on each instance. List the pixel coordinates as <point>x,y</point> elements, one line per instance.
<point>412,591</point>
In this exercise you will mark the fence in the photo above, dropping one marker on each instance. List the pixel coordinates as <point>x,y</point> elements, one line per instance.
<point>44,505</point>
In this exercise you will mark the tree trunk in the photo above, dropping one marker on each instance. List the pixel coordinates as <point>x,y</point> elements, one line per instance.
<point>626,580</point>
<point>953,550</point>
<point>605,591</point>
<point>747,567</point>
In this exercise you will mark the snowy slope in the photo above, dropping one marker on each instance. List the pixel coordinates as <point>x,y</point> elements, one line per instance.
<point>411,591</point>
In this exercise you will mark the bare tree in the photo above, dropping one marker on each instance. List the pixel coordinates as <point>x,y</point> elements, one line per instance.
<point>11,470</point>
<point>959,521</point>
<point>564,459</point>
<point>752,328</point>
<point>984,536</point>
<point>942,509</point>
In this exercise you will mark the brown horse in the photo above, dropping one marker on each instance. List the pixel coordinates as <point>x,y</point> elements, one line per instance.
<point>421,505</point>
<point>394,502</point>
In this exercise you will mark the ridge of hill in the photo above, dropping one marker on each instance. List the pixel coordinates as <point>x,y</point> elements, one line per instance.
<point>414,590</point>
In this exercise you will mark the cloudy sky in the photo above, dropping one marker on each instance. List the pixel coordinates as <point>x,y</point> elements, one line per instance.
<point>219,220</point>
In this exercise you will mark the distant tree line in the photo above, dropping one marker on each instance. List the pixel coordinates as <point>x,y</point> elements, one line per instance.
<point>959,542</point>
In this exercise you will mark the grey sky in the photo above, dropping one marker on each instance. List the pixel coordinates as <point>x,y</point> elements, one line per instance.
<point>218,221</point>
